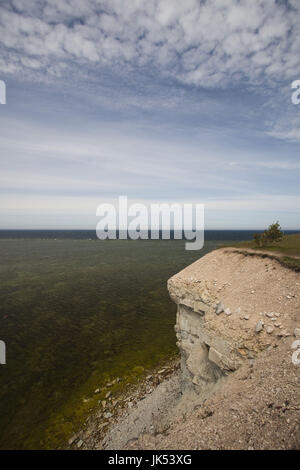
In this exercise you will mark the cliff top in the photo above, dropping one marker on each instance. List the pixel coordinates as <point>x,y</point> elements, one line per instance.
<point>250,289</point>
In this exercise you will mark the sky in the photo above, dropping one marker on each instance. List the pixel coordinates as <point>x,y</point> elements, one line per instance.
<point>161,101</point>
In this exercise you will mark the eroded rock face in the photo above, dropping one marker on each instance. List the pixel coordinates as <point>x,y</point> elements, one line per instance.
<point>206,358</point>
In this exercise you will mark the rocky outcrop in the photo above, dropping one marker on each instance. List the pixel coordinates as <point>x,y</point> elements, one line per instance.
<point>222,315</point>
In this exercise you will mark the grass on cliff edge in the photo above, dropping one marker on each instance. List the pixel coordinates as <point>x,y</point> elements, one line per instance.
<point>288,249</point>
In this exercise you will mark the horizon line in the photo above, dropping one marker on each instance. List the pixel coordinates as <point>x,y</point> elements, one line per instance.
<point>160,229</point>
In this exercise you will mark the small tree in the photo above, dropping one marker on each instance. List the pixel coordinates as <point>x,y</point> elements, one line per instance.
<point>274,233</point>
<point>257,239</point>
<point>271,235</point>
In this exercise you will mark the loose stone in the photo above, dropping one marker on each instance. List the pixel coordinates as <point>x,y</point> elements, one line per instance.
<point>220,308</point>
<point>297,332</point>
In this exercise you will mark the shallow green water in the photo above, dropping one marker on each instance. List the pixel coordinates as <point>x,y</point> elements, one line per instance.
<point>74,314</point>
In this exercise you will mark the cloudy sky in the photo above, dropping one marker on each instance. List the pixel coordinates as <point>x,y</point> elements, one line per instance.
<point>159,100</point>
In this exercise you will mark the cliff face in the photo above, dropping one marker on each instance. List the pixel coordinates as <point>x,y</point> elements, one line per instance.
<point>224,316</point>
<point>206,357</point>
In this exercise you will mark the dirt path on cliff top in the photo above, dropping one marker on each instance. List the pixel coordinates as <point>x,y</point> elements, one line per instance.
<point>259,405</point>
<point>260,252</point>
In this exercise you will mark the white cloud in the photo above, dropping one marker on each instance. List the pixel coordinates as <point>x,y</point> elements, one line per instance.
<point>269,165</point>
<point>205,43</point>
<point>290,135</point>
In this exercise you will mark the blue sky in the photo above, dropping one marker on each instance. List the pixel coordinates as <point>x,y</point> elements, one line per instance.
<point>157,100</point>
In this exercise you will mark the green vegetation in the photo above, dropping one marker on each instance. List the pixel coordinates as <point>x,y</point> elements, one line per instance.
<point>287,250</point>
<point>75,314</point>
<point>270,236</point>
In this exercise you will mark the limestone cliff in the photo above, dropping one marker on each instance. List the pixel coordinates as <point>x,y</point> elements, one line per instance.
<point>229,308</point>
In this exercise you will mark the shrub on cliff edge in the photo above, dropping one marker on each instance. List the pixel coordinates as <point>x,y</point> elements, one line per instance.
<point>271,235</point>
